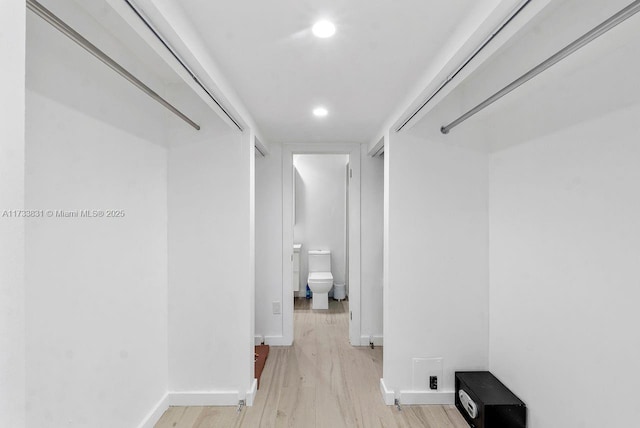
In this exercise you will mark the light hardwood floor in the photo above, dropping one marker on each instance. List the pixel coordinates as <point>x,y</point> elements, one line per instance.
<point>321,381</point>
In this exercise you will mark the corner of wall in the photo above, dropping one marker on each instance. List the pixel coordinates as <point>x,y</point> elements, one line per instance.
<point>251,393</point>
<point>12,230</point>
<point>156,413</point>
<point>388,396</point>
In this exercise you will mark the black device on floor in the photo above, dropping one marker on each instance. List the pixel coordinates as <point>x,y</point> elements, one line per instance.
<point>486,403</point>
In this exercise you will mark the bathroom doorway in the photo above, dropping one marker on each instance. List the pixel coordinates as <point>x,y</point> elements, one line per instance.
<point>320,189</point>
<point>337,229</point>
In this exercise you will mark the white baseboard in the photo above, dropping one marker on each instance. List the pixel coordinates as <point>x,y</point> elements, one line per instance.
<point>272,340</point>
<point>251,393</point>
<point>204,398</point>
<point>154,416</point>
<point>427,397</point>
<point>416,397</point>
<point>366,340</point>
<point>257,340</point>
<point>388,396</point>
<point>208,398</point>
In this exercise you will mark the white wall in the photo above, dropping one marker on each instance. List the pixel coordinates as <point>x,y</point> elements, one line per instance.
<point>437,288</point>
<point>211,278</point>
<point>371,198</point>
<point>563,234</point>
<point>564,272</point>
<point>12,147</point>
<point>100,325</point>
<point>562,219</point>
<point>320,206</point>
<point>96,295</point>
<point>269,241</point>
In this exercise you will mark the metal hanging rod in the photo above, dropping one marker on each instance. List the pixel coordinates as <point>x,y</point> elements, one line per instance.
<point>58,24</point>
<point>587,38</point>
<point>466,62</point>
<point>172,51</point>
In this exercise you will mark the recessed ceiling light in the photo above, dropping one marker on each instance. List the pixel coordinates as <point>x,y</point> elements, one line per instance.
<point>323,29</point>
<point>320,112</point>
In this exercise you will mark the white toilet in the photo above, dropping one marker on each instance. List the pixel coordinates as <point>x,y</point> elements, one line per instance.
<point>320,278</point>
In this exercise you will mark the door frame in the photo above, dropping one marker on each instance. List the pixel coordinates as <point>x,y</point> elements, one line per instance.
<point>353,150</point>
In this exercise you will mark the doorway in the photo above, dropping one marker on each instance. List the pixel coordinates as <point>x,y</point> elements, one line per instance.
<point>351,271</point>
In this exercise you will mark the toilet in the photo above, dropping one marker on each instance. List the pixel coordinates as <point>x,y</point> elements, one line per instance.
<point>320,279</point>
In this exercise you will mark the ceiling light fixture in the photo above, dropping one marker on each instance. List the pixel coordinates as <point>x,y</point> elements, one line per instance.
<point>323,29</point>
<point>320,112</point>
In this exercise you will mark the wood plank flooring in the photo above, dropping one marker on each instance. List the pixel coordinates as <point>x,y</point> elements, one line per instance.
<point>321,381</point>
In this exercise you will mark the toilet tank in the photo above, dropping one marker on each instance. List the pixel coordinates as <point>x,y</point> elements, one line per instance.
<point>319,261</point>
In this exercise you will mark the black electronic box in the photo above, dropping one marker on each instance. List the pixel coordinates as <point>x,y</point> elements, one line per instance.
<point>486,403</point>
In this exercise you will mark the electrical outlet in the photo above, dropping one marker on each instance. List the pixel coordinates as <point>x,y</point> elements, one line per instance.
<point>276,308</point>
<point>433,382</point>
<point>424,371</point>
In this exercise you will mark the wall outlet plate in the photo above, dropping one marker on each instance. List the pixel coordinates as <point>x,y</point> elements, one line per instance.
<point>423,370</point>
<point>277,308</point>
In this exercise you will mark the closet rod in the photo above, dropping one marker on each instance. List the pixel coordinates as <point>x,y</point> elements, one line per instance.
<point>587,38</point>
<point>466,62</point>
<point>177,57</point>
<point>61,26</point>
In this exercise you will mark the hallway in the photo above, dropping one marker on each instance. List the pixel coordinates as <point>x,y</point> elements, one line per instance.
<point>321,381</point>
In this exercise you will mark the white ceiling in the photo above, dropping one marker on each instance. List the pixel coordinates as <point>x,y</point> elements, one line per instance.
<point>280,71</point>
